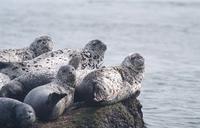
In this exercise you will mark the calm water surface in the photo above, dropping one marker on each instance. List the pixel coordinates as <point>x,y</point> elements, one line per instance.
<point>165,32</point>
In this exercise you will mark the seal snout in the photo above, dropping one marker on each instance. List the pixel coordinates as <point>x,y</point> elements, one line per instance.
<point>139,62</point>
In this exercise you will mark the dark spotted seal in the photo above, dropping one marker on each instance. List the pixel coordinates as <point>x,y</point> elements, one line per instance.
<point>112,84</point>
<point>19,87</point>
<point>39,46</point>
<point>15,114</point>
<point>49,101</point>
<point>90,57</point>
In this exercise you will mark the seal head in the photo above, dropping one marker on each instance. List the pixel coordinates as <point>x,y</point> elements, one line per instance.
<point>25,115</point>
<point>96,47</point>
<point>93,54</point>
<point>41,45</point>
<point>134,62</point>
<point>67,75</point>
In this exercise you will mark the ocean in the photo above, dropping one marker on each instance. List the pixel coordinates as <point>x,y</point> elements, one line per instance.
<point>165,32</point>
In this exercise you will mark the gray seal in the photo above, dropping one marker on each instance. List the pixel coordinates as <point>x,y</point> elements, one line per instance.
<point>113,84</point>
<point>21,86</point>
<point>39,46</point>
<point>90,57</point>
<point>49,101</point>
<point>15,114</point>
<point>4,79</point>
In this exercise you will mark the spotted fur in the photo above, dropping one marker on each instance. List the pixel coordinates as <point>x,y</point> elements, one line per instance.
<point>112,84</point>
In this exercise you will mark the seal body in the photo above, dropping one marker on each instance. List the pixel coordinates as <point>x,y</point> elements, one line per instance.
<point>15,114</point>
<point>87,58</point>
<point>4,79</point>
<point>21,86</point>
<point>50,101</point>
<point>112,84</point>
<point>39,46</point>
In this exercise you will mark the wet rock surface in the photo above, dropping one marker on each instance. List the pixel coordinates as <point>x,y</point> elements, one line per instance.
<point>125,114</point>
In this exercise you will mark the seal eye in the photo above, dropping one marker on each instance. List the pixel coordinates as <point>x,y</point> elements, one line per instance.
<point>96,57</point>
<point>64,71</point>
<point>43,42</point>
<point>132,59</point>
<point>70,73</point>
<point>29,111</point>
<point>39,40</point>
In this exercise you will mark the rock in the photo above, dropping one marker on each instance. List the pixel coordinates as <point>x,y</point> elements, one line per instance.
<point>126,114</point>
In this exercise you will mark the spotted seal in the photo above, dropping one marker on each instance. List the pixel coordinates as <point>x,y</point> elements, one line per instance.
<point>4,79</point>
<point>15,114</point>
<point>49,101</point>
<point>19,87</point>
<point>90,57</point>
<point>112,84</point>
<point>39,46</point>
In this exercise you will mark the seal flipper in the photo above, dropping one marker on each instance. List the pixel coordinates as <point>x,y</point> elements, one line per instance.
<point>54,98</point>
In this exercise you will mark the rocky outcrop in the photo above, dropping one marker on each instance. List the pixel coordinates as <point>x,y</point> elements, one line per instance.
<point>126,114</point>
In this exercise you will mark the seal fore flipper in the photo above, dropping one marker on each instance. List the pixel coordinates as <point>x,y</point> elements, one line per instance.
<point>54,97</point>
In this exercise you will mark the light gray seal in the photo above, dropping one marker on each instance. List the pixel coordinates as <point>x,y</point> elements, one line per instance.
<point>49,101</point>
<point>15,114</point>
<point>113,84</point>
<point>90,57</point>
<point>39,46</point>
<point>21,86</point>
<point>4,79</point>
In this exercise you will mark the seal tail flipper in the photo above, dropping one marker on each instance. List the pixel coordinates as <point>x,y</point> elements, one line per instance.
<point>54,97</point>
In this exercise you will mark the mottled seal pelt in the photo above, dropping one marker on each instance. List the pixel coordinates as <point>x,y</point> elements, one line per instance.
<point>15,114</point>
<point>19,87</point>
<point>49,101</point>
<point>90,57</point>
<point>112,84</point>
<point>4,79</point>
<point>39,46</point>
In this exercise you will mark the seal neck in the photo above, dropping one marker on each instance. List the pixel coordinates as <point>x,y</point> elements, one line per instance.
<point>66,82</point>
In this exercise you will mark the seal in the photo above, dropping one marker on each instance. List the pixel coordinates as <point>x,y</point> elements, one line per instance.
<point>49,101</point>
<point>113,84</point>
<point>90,57</point>
<point>21,86</point>
<point>39,46</point>
<point>15,114</point>
<point>4,79</point>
